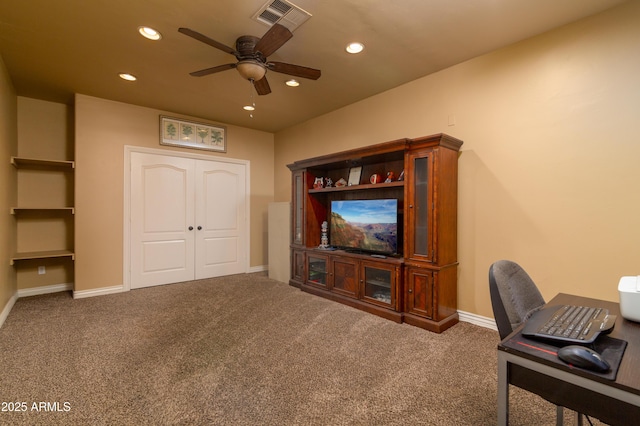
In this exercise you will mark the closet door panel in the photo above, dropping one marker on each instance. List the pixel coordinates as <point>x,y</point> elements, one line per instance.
<point>162,200</point>
<point>220,251</point>
<point>220,218</point>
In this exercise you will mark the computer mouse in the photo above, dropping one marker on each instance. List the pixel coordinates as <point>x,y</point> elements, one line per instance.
<point>583,357</point>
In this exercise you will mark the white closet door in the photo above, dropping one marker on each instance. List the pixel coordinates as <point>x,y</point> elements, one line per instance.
<point>220,219</point>
<point>162,203</point>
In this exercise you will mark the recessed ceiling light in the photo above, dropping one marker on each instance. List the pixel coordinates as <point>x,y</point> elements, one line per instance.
<point>249,108</point>
<point>292,83</point>
<point>149,33</point>
<point>128,77</point>
<point>355,47</point>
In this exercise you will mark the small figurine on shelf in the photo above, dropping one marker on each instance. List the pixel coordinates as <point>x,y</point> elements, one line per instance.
<point>324,240</point>
<point>401,177</point>
<point>341,182</point>
<point>318,183</point>
<point>390,177</point>
<point>328,182</point>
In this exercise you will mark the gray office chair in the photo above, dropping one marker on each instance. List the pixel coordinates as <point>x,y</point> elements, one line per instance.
<point>514,298</point>
<point>514,295</point>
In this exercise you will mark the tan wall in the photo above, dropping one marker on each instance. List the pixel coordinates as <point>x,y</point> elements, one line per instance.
<point>103,128</point>
<point>45,129</point>
<point>549,172</point>
<point>8,148</point>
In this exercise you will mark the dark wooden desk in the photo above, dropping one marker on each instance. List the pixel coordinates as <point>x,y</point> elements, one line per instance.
<point>613,402</point>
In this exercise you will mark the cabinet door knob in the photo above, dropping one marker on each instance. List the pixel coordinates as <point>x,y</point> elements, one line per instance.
<point>410,291</point>
<point>191,228</point>
<point>199,228</point>
<point>410,206</point>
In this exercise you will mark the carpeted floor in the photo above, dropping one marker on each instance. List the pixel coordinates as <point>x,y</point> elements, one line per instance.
<point>242,350</point>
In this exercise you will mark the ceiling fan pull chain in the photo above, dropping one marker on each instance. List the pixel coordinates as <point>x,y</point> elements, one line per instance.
<point>251,98</point>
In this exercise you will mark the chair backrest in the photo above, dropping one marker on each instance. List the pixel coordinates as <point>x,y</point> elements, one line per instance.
<point>514,295</point>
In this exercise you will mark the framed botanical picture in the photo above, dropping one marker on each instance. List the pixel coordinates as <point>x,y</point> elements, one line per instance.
<point>188,134</point>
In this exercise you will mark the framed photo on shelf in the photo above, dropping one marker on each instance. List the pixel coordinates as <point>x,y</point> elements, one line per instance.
<point>354,175</point>
<point>189,134</point>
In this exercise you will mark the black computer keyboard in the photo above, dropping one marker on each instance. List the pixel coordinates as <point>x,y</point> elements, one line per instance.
<point>569,324</point>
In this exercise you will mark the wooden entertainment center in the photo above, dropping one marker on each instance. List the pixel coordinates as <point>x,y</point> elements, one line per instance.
<point>418,286</point>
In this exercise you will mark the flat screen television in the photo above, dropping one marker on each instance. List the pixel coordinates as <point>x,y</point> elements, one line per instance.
<point>370,226</point>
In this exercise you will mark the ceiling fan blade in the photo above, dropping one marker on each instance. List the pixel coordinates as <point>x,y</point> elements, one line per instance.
<point>295,70</point>
<point>273,40</point>
<point>212,70</point>
<point>262,86</point>
<point>207,40</point>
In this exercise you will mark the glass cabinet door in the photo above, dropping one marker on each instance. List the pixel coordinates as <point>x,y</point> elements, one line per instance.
<point>317,270</point>
<point>420,206</point>
<point>298,207</point>
<point>378,284</point>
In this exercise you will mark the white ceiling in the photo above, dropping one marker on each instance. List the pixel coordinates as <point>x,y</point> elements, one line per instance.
<point>53,49</point>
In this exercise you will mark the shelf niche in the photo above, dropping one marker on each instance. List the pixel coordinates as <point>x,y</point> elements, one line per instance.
<point>44,215</point>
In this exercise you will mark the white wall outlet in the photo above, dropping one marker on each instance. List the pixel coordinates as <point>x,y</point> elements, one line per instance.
<point>42,270</point>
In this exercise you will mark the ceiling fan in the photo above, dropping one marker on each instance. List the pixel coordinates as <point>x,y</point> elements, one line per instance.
<point>251,53</point>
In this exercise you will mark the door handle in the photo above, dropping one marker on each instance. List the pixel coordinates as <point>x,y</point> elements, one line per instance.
<point>191,228</point>
<point>199,228</point>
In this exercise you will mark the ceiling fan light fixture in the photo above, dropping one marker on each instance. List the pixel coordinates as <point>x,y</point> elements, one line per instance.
<point>251,70</point>
<point>354,47</point>
<point>292,83</point>
<point>149,33</point>
<point>127,76</point>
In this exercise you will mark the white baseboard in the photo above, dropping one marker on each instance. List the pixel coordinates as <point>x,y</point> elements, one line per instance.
<point>81,294</point>
<point>477,320</point>
<point>26,292</point>
<point>261,268</point>
<point>7,308</point>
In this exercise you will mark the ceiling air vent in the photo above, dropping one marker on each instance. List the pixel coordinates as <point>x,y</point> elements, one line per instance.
<point>282,12</point>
